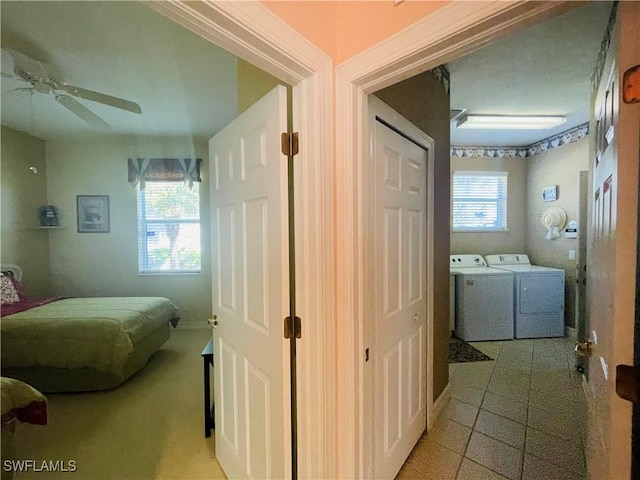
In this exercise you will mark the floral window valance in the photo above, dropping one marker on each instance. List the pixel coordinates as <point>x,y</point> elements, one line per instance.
<point>164,170</point>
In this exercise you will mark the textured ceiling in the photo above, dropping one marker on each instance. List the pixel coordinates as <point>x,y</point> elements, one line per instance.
<point>544,70</point>
<point>185,85</point>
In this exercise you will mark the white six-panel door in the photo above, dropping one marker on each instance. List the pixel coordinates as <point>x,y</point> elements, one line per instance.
<point>400,320</point>
<point>611,275</point>
<point>248,176</point>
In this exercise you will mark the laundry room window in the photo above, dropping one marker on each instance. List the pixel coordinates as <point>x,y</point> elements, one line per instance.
<point>479,201</point>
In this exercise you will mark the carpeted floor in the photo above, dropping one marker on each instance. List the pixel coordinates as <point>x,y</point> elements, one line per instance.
<point>461,351</point>
<point>151,427</point>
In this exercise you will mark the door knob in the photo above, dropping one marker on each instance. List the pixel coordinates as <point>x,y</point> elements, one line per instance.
<point>213,321</point>
<point>584,349</point>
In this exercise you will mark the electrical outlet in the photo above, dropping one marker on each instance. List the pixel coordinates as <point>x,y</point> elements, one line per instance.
<point>572,254</point>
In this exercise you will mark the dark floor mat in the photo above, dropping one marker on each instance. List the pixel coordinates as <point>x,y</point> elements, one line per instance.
<point>460,351</point>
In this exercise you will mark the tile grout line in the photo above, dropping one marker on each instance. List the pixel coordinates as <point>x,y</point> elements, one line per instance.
<point>528,404</point>
<point>464,454</point>
<point>526,415</point>
<point>466,445</point>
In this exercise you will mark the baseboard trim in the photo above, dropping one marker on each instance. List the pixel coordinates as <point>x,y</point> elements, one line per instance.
<point>193,325</point>
<point>439,405</point>
<point>570,332</point>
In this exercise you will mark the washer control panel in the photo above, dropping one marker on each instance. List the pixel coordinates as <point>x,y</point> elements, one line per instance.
<point>467,260</point>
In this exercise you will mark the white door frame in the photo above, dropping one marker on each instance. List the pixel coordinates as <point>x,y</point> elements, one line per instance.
<point>331,260</point>
<point>450,32</point>
<point>250,31</point>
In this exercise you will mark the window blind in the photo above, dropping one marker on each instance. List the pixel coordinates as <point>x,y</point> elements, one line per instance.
<point>169,228</point>
<point>479,201</point>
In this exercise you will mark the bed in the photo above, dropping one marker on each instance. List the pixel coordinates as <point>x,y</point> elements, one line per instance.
<point>79,344</point>
<point>19,402</point>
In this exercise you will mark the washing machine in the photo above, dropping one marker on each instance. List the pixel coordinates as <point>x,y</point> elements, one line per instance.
<point>538,291</point>
<point>483,299</point>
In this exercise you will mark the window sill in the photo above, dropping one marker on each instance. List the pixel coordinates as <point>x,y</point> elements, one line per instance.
<point>506,230</point>
<point>167,274</point>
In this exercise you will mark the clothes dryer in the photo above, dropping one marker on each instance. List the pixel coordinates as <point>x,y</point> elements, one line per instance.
<point>483,299</point>
<point>538,294</point>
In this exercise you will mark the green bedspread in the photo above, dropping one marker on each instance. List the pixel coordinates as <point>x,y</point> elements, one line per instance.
<point>98,333</point>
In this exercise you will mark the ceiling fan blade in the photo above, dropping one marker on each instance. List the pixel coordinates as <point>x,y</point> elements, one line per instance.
<point>7,63</point>
<point>81,111</point>
<point>23,66</point>
<point>103,98</point>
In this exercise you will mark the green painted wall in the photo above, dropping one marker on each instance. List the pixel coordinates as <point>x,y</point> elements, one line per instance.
<point>23,193</point>
<point>253,84</point>
<point>106,264</point>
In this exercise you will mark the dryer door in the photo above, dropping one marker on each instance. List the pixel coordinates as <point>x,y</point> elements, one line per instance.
<point>541,293</point>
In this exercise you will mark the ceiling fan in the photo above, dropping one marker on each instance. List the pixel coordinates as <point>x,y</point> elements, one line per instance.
<point>36,73</point>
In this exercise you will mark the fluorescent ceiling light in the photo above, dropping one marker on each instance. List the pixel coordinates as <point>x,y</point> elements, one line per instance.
<point>510,122</point>
<point>456,112</point>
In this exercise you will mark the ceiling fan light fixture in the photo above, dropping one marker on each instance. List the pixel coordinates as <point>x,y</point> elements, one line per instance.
<point>511,122</point>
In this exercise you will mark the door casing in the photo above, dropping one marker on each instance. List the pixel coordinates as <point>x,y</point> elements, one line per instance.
<point>331,289</point>
<point>250,31</point>
<point>422,46</point>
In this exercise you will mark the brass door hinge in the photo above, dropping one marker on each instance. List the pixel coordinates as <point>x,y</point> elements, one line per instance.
<point>292,329</point>
<point>290,144</point>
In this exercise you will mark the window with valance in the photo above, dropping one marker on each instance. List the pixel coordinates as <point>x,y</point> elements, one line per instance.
<point>168,201</point>
<point>185,170</point>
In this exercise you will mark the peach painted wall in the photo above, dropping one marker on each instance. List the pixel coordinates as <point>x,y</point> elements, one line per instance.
<point>362,24</point>
<point>315,19</point>
<point>343,29</point>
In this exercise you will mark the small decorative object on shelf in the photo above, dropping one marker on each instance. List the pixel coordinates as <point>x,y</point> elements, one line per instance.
<point>49,216</point>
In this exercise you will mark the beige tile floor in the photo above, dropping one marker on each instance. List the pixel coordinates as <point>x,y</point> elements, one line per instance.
<point>520,416</point>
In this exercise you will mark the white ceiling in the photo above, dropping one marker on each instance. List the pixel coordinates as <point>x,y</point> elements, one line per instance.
<point>544,70</point>
<point>185,85</point>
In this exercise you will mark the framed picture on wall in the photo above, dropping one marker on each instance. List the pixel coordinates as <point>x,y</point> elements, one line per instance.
<point>93,213</point>
<point>550,193</point>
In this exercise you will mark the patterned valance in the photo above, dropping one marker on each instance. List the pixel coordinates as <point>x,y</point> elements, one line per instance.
<point>164,170</point>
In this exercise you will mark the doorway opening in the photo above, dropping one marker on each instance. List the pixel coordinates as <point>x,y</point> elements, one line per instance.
<point>196,304</point>
<point>523,230</point>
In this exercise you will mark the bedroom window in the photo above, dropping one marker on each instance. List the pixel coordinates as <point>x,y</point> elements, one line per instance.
<point>479,201</point>
<point>169,227</point>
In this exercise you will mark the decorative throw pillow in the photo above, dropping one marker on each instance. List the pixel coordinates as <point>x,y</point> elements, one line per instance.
<point>8,291</point>
<point>18,286</point>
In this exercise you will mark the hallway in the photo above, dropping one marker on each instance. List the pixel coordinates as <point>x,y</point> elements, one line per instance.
<point>516,417</point>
